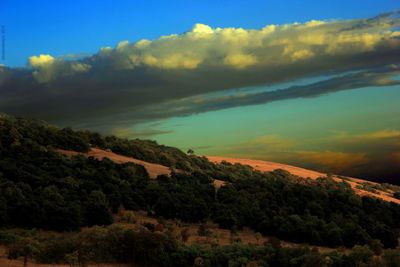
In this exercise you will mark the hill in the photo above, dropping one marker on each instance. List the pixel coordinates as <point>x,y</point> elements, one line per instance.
<point>361,187</point>
<point>40,187</point>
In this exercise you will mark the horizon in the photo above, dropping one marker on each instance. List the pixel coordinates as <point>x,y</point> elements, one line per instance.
<point>315,85</point>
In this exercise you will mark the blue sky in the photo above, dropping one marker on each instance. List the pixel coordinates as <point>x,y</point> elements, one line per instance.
<point>64,27</point>
<point>309,83</point>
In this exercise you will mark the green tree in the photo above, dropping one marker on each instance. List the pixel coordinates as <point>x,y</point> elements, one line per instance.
<point>258,236</point>
<point>391,258</point>
<point>203,231</point>
<point>26,247</point>
<point>360,255</point>
<point>97,210</point>
<point>185,234</point>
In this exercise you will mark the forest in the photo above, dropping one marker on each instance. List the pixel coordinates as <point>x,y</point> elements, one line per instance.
<point>43,189</point>
<point>119,244</point>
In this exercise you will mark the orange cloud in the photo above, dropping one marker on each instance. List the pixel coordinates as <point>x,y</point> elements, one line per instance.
<point>373,155</point>
<point>328,161</point>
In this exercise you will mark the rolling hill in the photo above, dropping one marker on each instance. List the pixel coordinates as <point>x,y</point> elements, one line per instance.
<point>64,181</point>
<point>359,186</point>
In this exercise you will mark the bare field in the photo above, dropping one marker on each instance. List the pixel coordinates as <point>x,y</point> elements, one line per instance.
<point>264,166</point>
<point>267,166</point>
<point>153,169</point>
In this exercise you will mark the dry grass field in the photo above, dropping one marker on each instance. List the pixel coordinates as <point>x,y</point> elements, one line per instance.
<point>264,166</point>
<point>267,166</point>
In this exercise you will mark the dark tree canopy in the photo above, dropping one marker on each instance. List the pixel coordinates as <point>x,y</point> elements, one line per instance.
<point>42,188</point>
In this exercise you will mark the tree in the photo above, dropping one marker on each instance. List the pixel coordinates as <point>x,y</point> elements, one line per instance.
<point>391,258</point>
<point>72,258</point>
<point>360,255</point>
<point>258,236</point>
<point>376,246</point>
<point>97,210</point>
<point>203,231</point>
<point>25,247</point>
<point>185,234</point>
<point>190,151</point>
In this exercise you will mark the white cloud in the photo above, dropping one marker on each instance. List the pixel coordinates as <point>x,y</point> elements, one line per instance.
<point>48,68</point>
<point>273,45</point>
<point>311,43</point>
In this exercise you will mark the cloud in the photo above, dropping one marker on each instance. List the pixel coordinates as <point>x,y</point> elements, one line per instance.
<point>386,133</point>
<point>381,148</point>
<point>371,155</point>
<point>48,68</point>
<point>205,103</point>
<point>329,161</point>
<point>178,74</point>
<point>271,46</point>
<point>41,61</point>
<point>126,132</point>
<point>270,143</point>
<point>74,56</point>
<point>284,150</point>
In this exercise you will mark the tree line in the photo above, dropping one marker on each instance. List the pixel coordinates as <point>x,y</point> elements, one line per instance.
<point>139,246</point>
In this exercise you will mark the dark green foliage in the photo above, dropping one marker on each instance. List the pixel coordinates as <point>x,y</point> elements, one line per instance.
<point>117,244</point>
<point>97,210</point>
<point>391,258</point>
<point>42,188</point>
<point>203,230</point>
<point>322,212</point>
<point>150,226</point>
<point>7,238</point>
<point>16,130</point>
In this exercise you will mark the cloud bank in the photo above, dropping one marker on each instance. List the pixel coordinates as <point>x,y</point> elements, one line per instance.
<point>372,155</point>
<point>176,75</point>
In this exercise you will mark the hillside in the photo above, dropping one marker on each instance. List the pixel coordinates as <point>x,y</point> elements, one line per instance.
<point>361,187</point>
<point>59,180</point>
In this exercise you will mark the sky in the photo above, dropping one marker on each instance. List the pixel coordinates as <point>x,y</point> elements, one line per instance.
<point>315,84</point>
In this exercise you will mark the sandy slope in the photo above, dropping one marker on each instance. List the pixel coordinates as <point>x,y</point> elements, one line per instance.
<point>153,169</point>
<point>266,166</point>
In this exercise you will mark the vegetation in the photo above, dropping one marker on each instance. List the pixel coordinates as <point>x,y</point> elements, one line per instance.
<point>368,187</point>
<point>118,244</point>
<point>41,188</point>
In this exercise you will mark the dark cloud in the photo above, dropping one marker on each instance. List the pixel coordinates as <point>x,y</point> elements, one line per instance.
<point>373,77</point>
<point>170,76</point>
